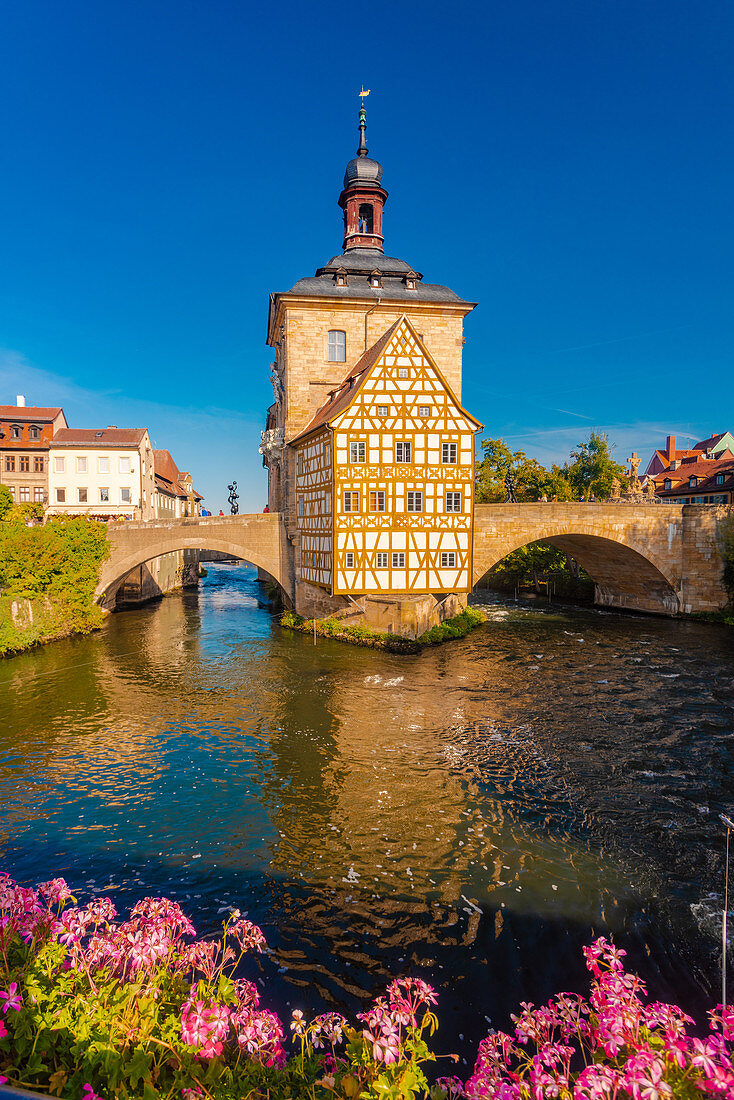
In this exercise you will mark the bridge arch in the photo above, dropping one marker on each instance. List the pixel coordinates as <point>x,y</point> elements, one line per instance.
<point>625,562</point>
<point>257,539</point>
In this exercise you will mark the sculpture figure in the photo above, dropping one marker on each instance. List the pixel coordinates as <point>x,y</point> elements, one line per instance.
<point>511,486</point>
<point>233,498</point>
<point>615,491</point>
<point>651,490</point>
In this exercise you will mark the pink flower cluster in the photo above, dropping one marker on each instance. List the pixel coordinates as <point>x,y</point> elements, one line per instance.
<point>627,1048</point>
<point>205,1026</point>
<point>384,1022</point>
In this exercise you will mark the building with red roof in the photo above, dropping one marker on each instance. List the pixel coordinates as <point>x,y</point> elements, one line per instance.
<point>26,432</point>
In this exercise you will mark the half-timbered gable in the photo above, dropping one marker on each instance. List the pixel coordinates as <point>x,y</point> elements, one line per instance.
<point>402,476</point>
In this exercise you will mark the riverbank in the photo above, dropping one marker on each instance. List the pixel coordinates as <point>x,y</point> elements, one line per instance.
<point>457,627</point>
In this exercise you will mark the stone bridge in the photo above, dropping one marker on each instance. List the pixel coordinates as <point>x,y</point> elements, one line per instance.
<point>259,539</point>
<point>662,558</point>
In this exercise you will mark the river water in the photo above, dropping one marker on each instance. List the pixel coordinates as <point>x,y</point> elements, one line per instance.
<point>471,815</point>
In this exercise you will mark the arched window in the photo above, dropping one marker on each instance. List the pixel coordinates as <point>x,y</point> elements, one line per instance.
<point>34,432</point>
<point>337,346</point>
<point>366,218</point>
<point>16,431</point>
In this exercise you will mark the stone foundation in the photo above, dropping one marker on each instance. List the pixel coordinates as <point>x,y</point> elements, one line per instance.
<point>404,615</point>
<point>157,578</point>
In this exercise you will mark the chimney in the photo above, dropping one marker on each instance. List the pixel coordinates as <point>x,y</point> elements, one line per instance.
<point>20,401</point>
<point>670,447</point>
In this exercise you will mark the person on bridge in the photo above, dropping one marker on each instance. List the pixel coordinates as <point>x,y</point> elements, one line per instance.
<point>221,512</point>
<point>266,508</point>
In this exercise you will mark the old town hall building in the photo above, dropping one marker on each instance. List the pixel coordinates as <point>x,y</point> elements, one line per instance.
<point>370,454</point>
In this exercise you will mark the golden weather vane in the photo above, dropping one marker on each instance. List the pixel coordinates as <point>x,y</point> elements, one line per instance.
<point>362,95</point>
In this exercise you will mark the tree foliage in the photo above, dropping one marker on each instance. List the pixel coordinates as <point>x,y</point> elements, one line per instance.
<point>588,471</point>
<point>6,501</point>
<point>592,467</point>
<point>50,573</point>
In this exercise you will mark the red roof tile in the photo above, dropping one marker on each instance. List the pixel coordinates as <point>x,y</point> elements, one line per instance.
<point>98,437</point>
<point>29,412</point>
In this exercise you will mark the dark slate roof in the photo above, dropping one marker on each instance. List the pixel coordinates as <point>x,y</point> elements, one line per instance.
<point>359,263</point>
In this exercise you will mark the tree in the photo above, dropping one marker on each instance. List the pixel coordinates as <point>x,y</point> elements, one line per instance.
<point>593,467</point>
<point>498,460</point>
<point>6,501</point>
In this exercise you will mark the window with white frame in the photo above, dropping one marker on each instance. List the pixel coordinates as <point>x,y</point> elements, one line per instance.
<point>38,494</point>
<point>377,500</point>
<point>383,410</point>
<point>59,463</point>
<point>398,561</point>
<point>34,433</point>
<point>381,560</point>
<point>448,454</point>
<point>104,494</point>
<point>82,495</point>
<point>349,560</point>
<point>81,464</point>
<point>402,451</point>
<point>448,559</point>
<point>337,346</point>
<point>25,494</point>
<point>61,496</point>
<point>358,452</point>
<point>424,410</point>
<point>103,464</point>
<point>667,483</point>
<point>453,502</point>
<point>414,500</point>
<point>351,500</point>
<point>124,464</point>
<point>403,372</point>
<point>126,496</point>
<point>327,454</point>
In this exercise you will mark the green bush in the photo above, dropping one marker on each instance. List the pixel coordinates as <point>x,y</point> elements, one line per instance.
<point>6,501</point>
<point>50,573</point>
<point>458,627</point>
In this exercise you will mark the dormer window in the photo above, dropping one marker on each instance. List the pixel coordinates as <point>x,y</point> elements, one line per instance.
<point>667,483</point>
<point>376,279</point>
<point>16,431</point>
<point>34,432</point>
<point>340,277</point>
<point>366,218</point>
<point>410,280</point>
<point>719,479</point>
<point>692,482</point>
<point>337,346</point>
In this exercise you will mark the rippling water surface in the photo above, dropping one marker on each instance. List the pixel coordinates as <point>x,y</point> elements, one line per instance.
<point>471,815</point>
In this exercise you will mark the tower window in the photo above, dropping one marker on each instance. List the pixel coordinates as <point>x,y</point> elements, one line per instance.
<point>337,346</point>
<point>366,218</point>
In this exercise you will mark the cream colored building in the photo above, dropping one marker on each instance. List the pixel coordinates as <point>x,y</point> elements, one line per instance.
<point>107,473</point>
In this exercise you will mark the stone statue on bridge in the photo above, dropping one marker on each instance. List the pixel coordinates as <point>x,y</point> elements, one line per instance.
<point>511,488</point>
<point>233,498</point>
<point>615,492</point>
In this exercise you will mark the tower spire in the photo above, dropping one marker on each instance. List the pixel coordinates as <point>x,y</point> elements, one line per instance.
<point>362,151</point>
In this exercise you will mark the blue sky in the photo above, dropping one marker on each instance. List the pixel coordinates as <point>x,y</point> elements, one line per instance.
<point>568,165</point>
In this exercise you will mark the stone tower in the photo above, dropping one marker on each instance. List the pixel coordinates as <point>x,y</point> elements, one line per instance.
<point>324,323</point>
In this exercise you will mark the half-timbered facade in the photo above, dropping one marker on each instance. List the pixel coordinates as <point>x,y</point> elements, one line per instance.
<point>385,478</point>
